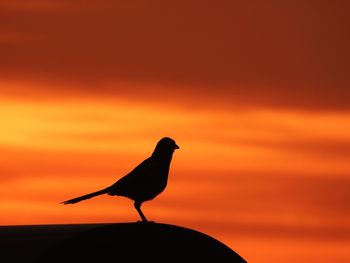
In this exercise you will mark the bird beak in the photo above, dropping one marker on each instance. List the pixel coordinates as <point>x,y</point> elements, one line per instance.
<point>176,146</point>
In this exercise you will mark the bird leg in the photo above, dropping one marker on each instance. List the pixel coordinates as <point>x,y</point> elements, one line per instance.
<point>138,208</point>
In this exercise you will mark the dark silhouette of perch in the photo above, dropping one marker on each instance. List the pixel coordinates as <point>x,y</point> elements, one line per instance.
<point>122,242</point>
<point>143,183</point>
<point>135,242</point>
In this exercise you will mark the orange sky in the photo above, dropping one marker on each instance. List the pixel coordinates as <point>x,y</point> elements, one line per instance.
<point>256,95</point>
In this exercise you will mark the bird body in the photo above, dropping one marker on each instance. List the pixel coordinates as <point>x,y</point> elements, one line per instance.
<point>144,182</point>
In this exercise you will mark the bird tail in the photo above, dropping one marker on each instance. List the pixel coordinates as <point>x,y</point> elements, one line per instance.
<point>84,197</point>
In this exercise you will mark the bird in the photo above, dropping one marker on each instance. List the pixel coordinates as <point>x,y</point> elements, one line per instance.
<point>145,181</point>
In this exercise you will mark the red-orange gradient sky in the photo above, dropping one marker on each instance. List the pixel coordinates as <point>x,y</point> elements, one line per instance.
<point>256,93</point>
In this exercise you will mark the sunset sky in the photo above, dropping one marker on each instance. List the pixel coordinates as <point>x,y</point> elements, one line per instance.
<point>255,93</point>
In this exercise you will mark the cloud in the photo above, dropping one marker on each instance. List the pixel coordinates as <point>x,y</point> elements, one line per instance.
<point>34,5</point>
<point>266,54</point>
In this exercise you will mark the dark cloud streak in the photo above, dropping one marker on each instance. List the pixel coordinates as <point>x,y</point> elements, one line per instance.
<point>270,53</point>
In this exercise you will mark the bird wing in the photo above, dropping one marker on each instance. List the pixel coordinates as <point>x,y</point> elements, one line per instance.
<point>138,177</point>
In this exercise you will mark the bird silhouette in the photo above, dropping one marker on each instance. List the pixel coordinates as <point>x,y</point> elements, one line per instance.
<point>144,182</point>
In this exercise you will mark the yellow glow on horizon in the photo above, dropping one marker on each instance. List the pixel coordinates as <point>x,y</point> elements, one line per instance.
<point>235,140</point>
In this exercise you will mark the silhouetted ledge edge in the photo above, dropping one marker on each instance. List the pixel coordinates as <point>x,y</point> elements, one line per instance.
<point>149,242</point>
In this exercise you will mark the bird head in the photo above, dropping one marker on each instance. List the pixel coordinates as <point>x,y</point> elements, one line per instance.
<point>166,144</point>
